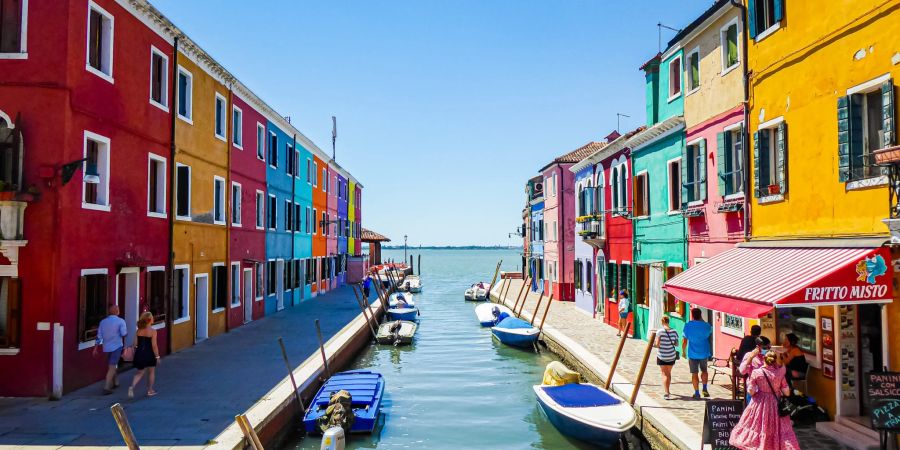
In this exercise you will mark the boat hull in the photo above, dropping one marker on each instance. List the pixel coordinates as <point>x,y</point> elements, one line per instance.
<point>566,420</point>
<point>516,337</point>
<point>405,336</point>
<point>367,389</point>
<point>410,314</point>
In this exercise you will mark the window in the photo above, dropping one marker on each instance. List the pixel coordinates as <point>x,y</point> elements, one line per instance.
<point>729,39</point>
<point>324,179</point>
<point>308,169</point>
<point>296,276</point>
<point>185,95</point>
<point>270,277</point>
<point>235,284</point>
<point>273,212</point>
<point>674,176</point>
<point>182,294</point>
<point>236,202</point>
<point>287,270</point>
<point>220,286</point>
<point>219,200</point>
<point>297,163</point>
<point>93,294</point>
<point>99,42</point>
<point>641,195</point>
<point>764,16</point>
<point>694,172</point>
<point>95,191</point>
<point>298,224</point>
<point>673,305</point>
<point>589,278</point>
<point>314,225</point>
<point>730,149</point>
<point>288,216</point>
<point>156,186</point>
<point>289,159</point>
<point>237,127</point>
<point>866,123</point>
<point>260,209</point>
<point>273,150</point>
<point>315,180</point>
<point>156,294</point>
<point>260,142</point>
<point>578,274</point>
<point>612,277</point>
<point>674,78</point>
<point>260,281</point>
<point>800,320</point>
<point>10,312</point>
<point>693,70</point>
<point>159,79</point>
<point>624,278</point>
<point>220,117</point>
<point>324,224</point>
<point>307,219</point>
<point>555,232</point>
<point>733,325</point>
<point>770,159</point>
<point>12,26</point>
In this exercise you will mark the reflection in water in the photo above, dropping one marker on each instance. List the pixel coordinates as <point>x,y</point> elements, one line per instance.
<point>456,387</point>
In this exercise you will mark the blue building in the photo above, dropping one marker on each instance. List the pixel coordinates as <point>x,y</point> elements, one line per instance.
<point>535,190</point>
<point>280,221</point>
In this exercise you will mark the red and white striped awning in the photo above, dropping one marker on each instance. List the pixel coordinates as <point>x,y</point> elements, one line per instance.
<point>750,281</point>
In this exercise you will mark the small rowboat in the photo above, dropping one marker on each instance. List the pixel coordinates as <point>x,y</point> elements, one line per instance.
<point>366,389</point>
<point>486,316</point>
<point>410,314</point>
<point>397,332</point>
<point>586,412</point>
<point>395,300</point>
<point>478,292</point>
<point>515,332</point>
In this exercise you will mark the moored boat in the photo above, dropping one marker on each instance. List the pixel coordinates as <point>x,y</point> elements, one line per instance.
<point>396,332</point>
<point>401,300</point>
<point>486,313</point>
<point>410,314</point>
<point>412,283</point>
<point>586,412</point>
<point>478,292</point>
<point>515,332</point>
<point>366,389</point>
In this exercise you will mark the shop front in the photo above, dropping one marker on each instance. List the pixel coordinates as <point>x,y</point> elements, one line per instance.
<point>835,296</point>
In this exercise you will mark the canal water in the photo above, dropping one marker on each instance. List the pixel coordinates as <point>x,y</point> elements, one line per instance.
<point>455,387</point>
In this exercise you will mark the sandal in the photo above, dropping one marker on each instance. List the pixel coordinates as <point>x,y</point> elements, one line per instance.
<point>151,393</point>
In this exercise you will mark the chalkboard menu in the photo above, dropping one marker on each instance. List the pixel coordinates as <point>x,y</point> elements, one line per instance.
<point>883,390</point>
<point>720,419</point>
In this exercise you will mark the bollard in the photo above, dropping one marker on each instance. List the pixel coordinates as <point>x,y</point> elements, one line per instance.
<point>124,427</point>
<point>291,373</point>
<point>322,349</point>
<point>615,361</point>
<point>640,377</point>
<point>420,265</point>
<point>249,432</point>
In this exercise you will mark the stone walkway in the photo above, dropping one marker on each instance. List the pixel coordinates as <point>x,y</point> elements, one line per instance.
<point>600,340</point>
<point>200,388</point>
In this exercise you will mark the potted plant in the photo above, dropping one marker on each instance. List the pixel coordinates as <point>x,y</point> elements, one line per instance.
<point>774,189</point>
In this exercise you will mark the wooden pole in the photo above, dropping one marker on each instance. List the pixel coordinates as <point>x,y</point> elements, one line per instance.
<point>124,427</point>
<point>494,280</point>
<point>640,377</point>
<point>549,302</point>
<point>411,263</point>
<point>522,289</point>
<point>525,298</point>
<point>420,265</point>
<point>363,308</point>
<point>615,361</point>
<point>504,284</point>
<point>322,349</point>
<point>249,432</point>
<point>291,373</point>
<point>537,308</point>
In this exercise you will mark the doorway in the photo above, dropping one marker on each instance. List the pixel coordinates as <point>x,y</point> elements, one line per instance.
<point>655,297</point>
<point>128,298</point>
<point>201,293</point>
<point>248,295</point>
<point>871,354</point>
<point>600,289</point>
<point>279,284</point>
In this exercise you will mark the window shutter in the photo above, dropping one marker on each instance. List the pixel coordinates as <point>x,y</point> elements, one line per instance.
<point>756,187</point>
<point>684,177</point>
<point>779,10</point>
<point>751,18</point>
<point>843,109</point>
<point>702,174</point>
<point>887,102</point>
<point>721,166</point>
<point>781,157</point>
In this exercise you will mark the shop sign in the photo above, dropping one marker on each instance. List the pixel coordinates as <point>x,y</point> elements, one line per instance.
<point>719,420</point>
<point>883,390</point>
<point>869,280</point>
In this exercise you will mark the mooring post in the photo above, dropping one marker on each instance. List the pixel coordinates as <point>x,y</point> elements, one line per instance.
<point>411,264</point>
<point>249,432</point>
<point>537,308</point>
<point>615,361</point>
<point>522,289</point>
<point>420,265</point>
<point>640,377</point>
<point>124,427</point>
<point>291,373</point>
<point>363,308</point>
<point>549,302</point>
<point>494,280</point>
<point>525,298</point>
<point>322,349</point>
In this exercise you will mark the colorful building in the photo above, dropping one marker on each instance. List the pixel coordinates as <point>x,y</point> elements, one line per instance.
<point>318,213</point>
<point>588,234</point>
<point>536,266</point>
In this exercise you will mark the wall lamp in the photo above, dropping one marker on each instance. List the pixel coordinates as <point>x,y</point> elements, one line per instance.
<point>67,171</point>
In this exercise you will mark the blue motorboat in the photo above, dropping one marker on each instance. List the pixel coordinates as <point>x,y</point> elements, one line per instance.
<point>403,313</point>
<point>365,387</point>
<point>515,332</point>
<point>586,412</point>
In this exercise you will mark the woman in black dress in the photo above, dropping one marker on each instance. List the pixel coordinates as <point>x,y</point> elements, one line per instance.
<point>146,354</point>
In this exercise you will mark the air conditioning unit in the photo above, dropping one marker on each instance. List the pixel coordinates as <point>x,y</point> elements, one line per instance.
<point>539,186</point>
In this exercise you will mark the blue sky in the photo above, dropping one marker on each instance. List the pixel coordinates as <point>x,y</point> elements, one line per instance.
<point>445,109</point>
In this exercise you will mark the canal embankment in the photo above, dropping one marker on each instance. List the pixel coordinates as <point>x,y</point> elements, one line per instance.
<point>202,388</point>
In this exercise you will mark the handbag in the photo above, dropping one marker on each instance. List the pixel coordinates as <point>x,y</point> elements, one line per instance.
<point>784,405</point>
<point>674,344</point>
<point>128,354</point>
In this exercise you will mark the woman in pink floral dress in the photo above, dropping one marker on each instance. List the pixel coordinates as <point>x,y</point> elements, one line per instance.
<point>760,427</point>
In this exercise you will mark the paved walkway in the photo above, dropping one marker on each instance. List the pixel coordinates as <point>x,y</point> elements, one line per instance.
<point>200,388</point>
<point>600,339</point>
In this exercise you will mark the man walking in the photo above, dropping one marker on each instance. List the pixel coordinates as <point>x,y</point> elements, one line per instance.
<point>696,346</point>
<point>110,334</point>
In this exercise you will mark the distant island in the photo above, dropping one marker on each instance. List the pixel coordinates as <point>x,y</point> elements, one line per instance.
<point>451,247</point>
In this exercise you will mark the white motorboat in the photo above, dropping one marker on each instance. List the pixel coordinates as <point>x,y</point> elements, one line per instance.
<point>412,283</point>
<point>478,292</point>
<point>398,298</point>
<point>486,315</point>
<point>586,412</point>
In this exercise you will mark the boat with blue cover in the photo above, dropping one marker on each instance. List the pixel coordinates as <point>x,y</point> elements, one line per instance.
<point>515,332</point>
<point>410,314</point>
<point>401,299</point>
<point>586,412</point>
<point>366,389</point>
<point>488,313</point>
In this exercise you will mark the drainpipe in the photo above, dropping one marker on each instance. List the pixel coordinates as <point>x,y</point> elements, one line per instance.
<point>171,269</point>
<point>746,132</point>
<point>229,144</point>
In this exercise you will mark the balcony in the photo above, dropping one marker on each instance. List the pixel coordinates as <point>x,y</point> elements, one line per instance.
<point>592,230</point>
<point>890,157</point>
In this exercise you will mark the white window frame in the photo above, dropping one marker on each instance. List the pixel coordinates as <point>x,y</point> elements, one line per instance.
<point>297,162</point>
<point>102,169</point>
<point>260,210</point>
<point>186,292</point>
<point>237,129</point>
<point>688,75</point>
<point>771,125</point>
<point>314,222</point>
<point>307,220</point>
<point>160,185</point>
<point>274,212</point>
<point>768,31</point>
<point>235,293</point>
<point>680,71</point>
<point>260,143</point>
<point>190,182</point>
<point>731,331</point>
<point>87,53</point>
<point>272,164</point>
<point>23,38</point>
<point>164,87</point>
<point>723,45</point>
<point>222,137</point>
<point>82,345</point>
<point>217,179</point>
<point>866,88</point>
<point>237,204</point>
<point>189,98</point>
<point>673,209</point>
<point>731,129</point>
<point>259,267</point>
<point>308,170</point>
<point>325,179</point>
<point>315,179</point>
<point>160,325</point>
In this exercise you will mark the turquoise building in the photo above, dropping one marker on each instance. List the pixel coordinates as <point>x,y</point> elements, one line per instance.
<point>302,204</point>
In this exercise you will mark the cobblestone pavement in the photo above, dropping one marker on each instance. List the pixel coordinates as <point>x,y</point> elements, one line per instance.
<point>600,339</point>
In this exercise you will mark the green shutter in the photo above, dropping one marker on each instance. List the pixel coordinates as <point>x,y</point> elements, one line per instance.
<point>756,186</point>
<point>701,150</point>
<point>781,157</point>
<point>721,165</point>
<point>843,110</point>
<point>855,135</point>
<point>684,176</point>
<point>611,280</point>
<point>887,101</point>
<point>779,10</point>
<point>751,18</point>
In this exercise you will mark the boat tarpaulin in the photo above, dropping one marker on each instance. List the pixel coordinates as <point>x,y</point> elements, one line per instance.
<point>750,281</point>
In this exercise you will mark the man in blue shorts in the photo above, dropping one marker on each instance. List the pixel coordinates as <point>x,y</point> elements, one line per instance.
<point>696,346</point>
<point>110,333</point>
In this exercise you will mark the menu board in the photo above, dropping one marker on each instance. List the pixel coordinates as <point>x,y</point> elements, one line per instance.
<point>883,390</point>
<point>848,352</point>
<point>827,347</point>
<point>719,420</point>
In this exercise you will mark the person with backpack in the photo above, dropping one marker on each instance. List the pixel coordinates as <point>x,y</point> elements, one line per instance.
<point>666,342</point>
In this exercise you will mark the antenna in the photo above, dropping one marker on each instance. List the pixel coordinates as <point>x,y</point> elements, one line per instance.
<point>333,136</point>
<point>659,27</point>
<point>618,124</point>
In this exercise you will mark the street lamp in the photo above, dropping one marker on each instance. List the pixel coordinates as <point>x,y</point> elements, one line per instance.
<point>67,171</point>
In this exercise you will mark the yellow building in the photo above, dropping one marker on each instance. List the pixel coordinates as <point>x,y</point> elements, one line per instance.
<point>202,102</point>
<point>351,217</point>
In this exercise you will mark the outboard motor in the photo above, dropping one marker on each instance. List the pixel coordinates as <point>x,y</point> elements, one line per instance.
<point>333,439</point>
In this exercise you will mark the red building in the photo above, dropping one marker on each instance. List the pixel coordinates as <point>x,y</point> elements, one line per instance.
<point>86,93</point>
